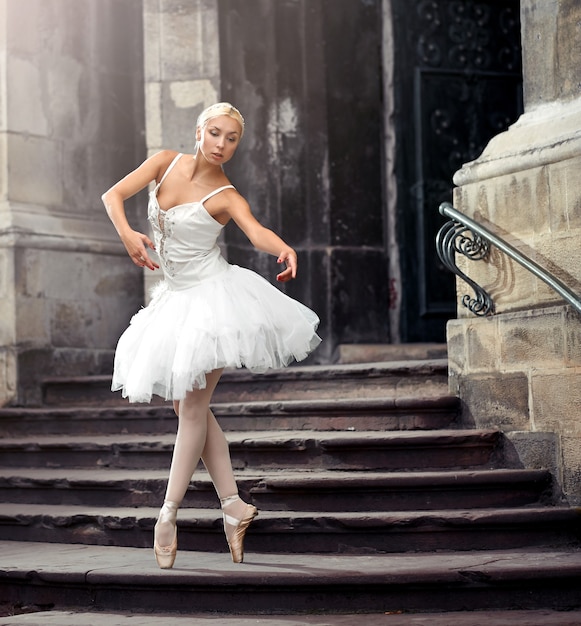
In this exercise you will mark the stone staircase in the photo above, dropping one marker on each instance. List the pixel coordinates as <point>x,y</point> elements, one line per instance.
<point>370,495</point>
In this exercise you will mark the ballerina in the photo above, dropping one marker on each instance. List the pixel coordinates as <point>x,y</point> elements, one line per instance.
<point>205,315</point>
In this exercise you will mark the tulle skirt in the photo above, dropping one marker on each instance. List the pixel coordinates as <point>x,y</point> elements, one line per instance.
<point>236,319</point>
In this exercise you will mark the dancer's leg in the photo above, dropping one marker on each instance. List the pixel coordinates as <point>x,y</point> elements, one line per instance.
<point>216,457</point>
<point>190,441</point>
<point>237,514</point>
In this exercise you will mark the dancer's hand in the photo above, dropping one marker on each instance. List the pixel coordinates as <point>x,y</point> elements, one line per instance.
<point>136,244</point>
<point>289,257</point>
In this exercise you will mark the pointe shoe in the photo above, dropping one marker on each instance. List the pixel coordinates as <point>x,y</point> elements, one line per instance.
<point>166,555</point>
<point>236,542</point>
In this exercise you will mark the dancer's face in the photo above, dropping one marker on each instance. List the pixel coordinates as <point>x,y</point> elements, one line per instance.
<point>219,138</point>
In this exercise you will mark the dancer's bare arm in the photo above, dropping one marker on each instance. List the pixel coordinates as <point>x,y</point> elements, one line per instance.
<point>263,238</point>
<point>135,242</point>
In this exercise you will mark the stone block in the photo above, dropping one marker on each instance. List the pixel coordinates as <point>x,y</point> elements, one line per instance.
<point>457,354</point>
<point>83,325</point>
<point>556,400</point>
<point>499,400</point>
<point>30,280</point>
<point>565,184</point>
<point>572,338</point>
<point>72,323</point>
<point>568,40</point>
<point>152,41</point>
<point>482,349</point>
<point>7,304</point>
<point>32,320</point>
<point>7,321</point>
<point>3,161</point>
<point>519,202</point>
<point>533,450</point>
<point>25,98</point>
<point>515,203</point>
<point>8,380</point>
<point>571,465</point>
<point>77,172</point>
<point>65,79</point>
<point>540,50</point>
<point>194,22</point>
<point>33,364</point>
<point>39,160</point>
<point>153,115</point>
<point>56,282</point>
<point>531,339</point>
<point>6,272</point>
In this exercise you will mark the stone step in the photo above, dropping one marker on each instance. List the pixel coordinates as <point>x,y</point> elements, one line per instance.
<point>109,578</point>
<point>387,413</point>
<point>380,353</point>
<point>306,449</point>
<point>359,380</point>
<point>398,617</point>
<point>303,532</point>
<point>288,489</point>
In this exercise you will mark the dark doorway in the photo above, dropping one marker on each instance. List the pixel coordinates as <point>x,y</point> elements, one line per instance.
<point>309,75</point>
<point>457,83</point>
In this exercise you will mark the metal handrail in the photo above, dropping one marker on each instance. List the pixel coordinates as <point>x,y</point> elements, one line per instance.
<point>464,235</point>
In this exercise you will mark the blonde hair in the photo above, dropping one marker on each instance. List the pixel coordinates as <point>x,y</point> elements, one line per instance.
<point>220,108</point>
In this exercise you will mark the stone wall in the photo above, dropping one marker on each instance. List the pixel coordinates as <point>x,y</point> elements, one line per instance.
<point>71,123</point>
<point>520,370</point>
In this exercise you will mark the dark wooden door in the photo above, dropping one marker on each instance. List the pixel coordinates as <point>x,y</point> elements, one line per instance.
<point>458,82</point>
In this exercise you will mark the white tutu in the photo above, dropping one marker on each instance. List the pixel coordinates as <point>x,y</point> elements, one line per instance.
<point>206,314</point>
<point>232,320</point>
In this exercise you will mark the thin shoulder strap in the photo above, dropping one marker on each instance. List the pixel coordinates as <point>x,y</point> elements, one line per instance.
<point>169,169</point>
<point>213,193</point>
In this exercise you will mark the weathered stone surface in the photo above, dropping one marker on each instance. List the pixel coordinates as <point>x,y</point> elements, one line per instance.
<point>181,79</point>
<point>531,339</point>
<point>537,450</point>
<point>570,466</point>
<point>542,50</point>
<point>565,206</point>
<point>482,349</point>
<point>38,159</point>
<point>72,101</point>
<point>556,401</point>
<point>526,188</point>
<point>501,400</point>
<point>457,353</point>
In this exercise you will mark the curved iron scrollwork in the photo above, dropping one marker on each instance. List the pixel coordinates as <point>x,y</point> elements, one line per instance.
<point>465,236</point>
<point>453,238</point>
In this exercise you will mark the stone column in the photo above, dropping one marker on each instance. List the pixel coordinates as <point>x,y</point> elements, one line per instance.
<point>521,369</point>
<point>71,120</point>
<point>182,73</point>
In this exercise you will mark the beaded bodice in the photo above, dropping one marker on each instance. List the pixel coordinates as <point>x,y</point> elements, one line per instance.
<point>185,239</point>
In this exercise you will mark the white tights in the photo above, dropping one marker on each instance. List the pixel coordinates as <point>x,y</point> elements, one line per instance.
<point>199,436</point>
